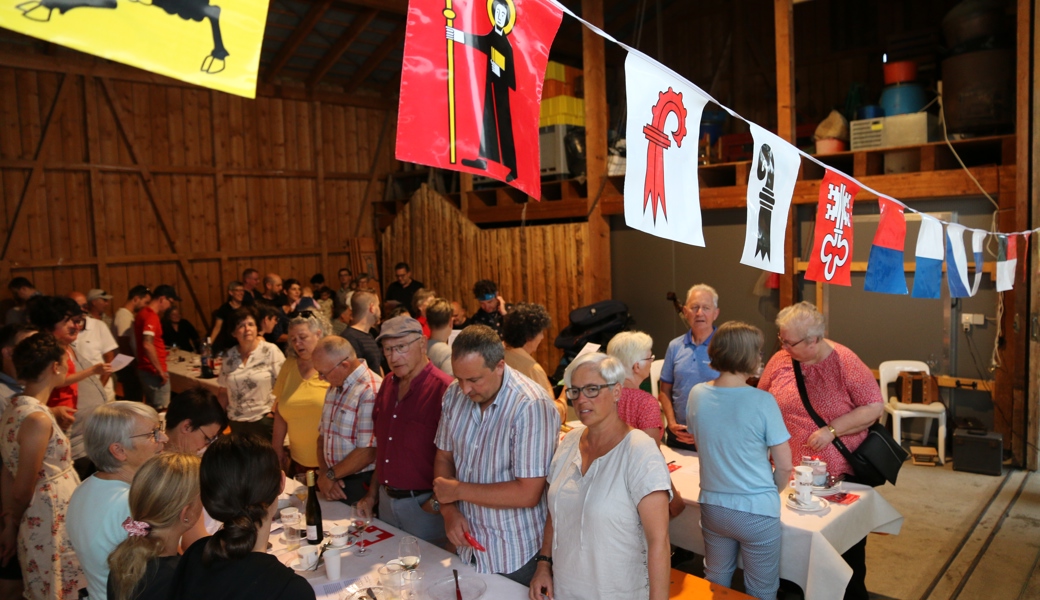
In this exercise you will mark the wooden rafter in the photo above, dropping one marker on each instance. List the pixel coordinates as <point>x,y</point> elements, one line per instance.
<point>300,33</point>
<point>153,196</point>
<point>361,21</point>
<point>36,175</point>
<point>399,7</point>
<point>390,44</point>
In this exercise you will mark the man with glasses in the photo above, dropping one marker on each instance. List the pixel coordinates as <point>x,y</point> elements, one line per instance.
<point>120,437</point>
<point>495,442</point>
<point>194,419</point>
<point>686,362</point>
<point>346,436</point>
<point>406,413</point>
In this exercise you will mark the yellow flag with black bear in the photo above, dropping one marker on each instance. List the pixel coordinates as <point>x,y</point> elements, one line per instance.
<point>212,43</point>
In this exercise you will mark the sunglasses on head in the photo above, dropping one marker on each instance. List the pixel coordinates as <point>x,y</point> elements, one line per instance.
<point>306,314</point>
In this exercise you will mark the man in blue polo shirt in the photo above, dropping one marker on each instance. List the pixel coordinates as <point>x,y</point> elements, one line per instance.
<point>686,362</point>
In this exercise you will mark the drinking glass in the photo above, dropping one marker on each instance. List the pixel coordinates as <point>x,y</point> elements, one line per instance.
<point>408,552</point>
<point>359,521</point>
<point>291,531</point>
<point>301,490</point>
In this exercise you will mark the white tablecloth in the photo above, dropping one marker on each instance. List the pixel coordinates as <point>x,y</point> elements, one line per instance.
<point>183,367</point>
<point>436,563</point>
<point>812,543</point>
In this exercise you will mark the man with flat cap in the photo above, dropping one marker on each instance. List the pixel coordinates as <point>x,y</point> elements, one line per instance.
<point>406,414</point>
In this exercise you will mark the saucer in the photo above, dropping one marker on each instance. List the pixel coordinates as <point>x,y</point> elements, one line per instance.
<point>298,566</point>
<point>819,490</point>
<point>818,505</point>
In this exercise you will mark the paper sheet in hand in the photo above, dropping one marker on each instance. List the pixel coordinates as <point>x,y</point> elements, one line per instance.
<point>121,361</point>
<point>589,347</point>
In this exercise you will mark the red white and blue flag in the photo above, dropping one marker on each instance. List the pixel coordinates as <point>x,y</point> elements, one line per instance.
<point>885,266</point>
<point>1007,261</point>
<point>831,260</point>
<point>929,259</point>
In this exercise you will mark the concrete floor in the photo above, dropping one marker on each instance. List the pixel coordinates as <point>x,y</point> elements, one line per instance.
<point>965,537</point>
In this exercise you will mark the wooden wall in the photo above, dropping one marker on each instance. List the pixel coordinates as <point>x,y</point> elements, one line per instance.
<point>110,182</point>
<point>447,252</point>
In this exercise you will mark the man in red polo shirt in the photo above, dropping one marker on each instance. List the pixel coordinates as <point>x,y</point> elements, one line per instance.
<point>151,351</point>
<point>406,414</point>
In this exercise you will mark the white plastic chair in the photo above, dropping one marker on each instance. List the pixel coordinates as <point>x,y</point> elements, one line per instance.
<point>887,373</point>
<point>655,375</point>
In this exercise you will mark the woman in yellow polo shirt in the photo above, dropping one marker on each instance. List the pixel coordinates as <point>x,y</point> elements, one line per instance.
<point>300,393</point>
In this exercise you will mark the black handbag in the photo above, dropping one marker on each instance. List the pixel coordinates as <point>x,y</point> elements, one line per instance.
<point>877,460</point>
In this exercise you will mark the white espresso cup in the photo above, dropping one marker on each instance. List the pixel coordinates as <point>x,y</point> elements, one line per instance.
<point>308,556</point>
<point>803,475</point>
<point>338,536</point>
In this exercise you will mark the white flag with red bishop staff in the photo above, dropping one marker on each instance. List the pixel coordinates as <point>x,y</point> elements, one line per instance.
<point>662,197</point>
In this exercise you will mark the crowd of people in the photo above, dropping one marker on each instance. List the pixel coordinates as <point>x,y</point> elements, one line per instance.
<point>453,437</point>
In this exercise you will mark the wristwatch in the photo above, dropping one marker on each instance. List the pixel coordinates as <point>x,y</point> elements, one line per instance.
<point>331,474</point>
<point>543,558</point>
<point>434,504</point>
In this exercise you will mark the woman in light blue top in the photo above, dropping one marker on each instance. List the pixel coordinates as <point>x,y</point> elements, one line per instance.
<point>737,428</point>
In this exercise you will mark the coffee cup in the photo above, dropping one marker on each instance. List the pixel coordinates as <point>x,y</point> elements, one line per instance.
<point>819,474</point>
<point>289,514</point>
<point>803,475</point>
<point>338,536</point>
<point>308,556</point>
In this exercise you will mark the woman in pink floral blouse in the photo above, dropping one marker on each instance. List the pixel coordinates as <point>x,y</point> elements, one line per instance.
<point>38,472</point>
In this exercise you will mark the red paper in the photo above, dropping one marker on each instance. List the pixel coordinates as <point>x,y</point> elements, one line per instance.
<point>672,467</point>
<point>831,260</point>
<point>494,76</point>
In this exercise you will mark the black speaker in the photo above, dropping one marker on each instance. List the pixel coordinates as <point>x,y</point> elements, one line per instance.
<point>977,451</point>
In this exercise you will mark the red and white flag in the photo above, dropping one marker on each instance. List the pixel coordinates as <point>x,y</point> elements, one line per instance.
<point>662,197</point>
<point>471,86</point>
<point>831,260</point>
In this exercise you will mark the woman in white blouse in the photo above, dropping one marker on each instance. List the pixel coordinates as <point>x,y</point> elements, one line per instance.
<point>607,529</point>
<point>247,377</point>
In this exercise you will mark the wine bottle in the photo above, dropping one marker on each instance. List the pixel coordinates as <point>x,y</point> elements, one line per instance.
<point>206,360</point>
<point>315,533</point>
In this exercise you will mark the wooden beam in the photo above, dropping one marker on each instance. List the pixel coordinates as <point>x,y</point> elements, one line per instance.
<point>390,44</point>
<point>71,62</point>
<point>153,197</point>
<point>202,170</point>
<point>299,34</point>
<point>97,197</point>
<point>597,264</point>
<point>349,36</point>
<point>131,259</point>
<point>1032,159</point>
<point>36,175</point>
<point>373,175</point>
<point>399,7</point>
<point>319,163</point>
<point>783,20</point>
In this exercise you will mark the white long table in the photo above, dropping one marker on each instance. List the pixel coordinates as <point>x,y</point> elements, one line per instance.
<point>183,367</point>
<point>811,544</point>
<point>436,562</point>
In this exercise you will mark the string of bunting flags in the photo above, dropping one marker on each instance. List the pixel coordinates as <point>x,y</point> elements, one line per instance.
<point>471,89</point>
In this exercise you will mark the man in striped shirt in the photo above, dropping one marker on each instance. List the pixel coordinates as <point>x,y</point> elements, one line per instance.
<point>346,436</point>
<point>495,442</point>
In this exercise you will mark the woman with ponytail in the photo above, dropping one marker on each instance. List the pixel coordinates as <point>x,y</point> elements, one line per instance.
<point>240,480</point>
<point>164,503</point>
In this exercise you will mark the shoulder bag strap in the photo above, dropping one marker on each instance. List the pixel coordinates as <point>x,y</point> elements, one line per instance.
<point>804,393</point>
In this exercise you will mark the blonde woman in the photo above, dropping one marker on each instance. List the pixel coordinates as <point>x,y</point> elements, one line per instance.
<point>164,504</point>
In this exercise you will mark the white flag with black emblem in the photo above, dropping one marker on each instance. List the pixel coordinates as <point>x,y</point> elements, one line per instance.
<point>770,188</point>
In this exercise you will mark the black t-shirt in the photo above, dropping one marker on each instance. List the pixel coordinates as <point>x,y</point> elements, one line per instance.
<point>365,346</point>
<point>249,298</point>
<point>226,311</point>
<point>185,337</point>
<point>258,576</point>
<point>402,294</point>
<point>491,319</point>
<point>155,585</point>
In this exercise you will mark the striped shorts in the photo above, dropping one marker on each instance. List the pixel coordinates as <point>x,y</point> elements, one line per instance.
<point>755,537</point>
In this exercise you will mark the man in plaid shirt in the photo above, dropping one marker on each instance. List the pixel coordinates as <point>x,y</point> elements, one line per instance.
<point>346,440</point>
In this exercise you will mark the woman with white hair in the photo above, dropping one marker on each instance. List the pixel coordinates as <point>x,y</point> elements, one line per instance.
<point>607,528</point>
<point>636,407</point>
<point>38,479</point>
<point>300,391</point>
<point>840,388</point>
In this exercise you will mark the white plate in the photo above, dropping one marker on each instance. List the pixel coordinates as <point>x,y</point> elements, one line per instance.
<point>826,491</point>
<point>381,593</point>
<point>299,568</point>
<point>472,588</point>
<point>821,504</point>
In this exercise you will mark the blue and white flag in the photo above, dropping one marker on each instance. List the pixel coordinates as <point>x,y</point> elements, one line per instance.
<point>957,261</point>
<point>929,254</point>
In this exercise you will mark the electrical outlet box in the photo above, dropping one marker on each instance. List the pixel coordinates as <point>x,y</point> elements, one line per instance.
<point>969,319</point>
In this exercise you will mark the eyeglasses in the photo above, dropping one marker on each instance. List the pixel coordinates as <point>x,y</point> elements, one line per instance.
<point>697,308</point>
<point>589,391</point>
<point>306,314</point>
<point>788,344</point>
<point>156,432</point>
<point>209,440</point>
<point>400,348</point>
<point>650,358</point>
<point>324,376</point>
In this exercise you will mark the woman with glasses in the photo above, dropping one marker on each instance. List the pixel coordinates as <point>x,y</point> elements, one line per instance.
<point>606,535</point>
<point>841,389</point>
<point>300,392</point>
<point>38,478</point>
<point>239,483</point>
<point>247,377</point>
<point>236,293</point>
<point>61,317</point>
<point>164,505</point>
<point>738,429</point>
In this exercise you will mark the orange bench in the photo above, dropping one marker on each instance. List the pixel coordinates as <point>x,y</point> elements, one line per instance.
<point>684,586</point>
